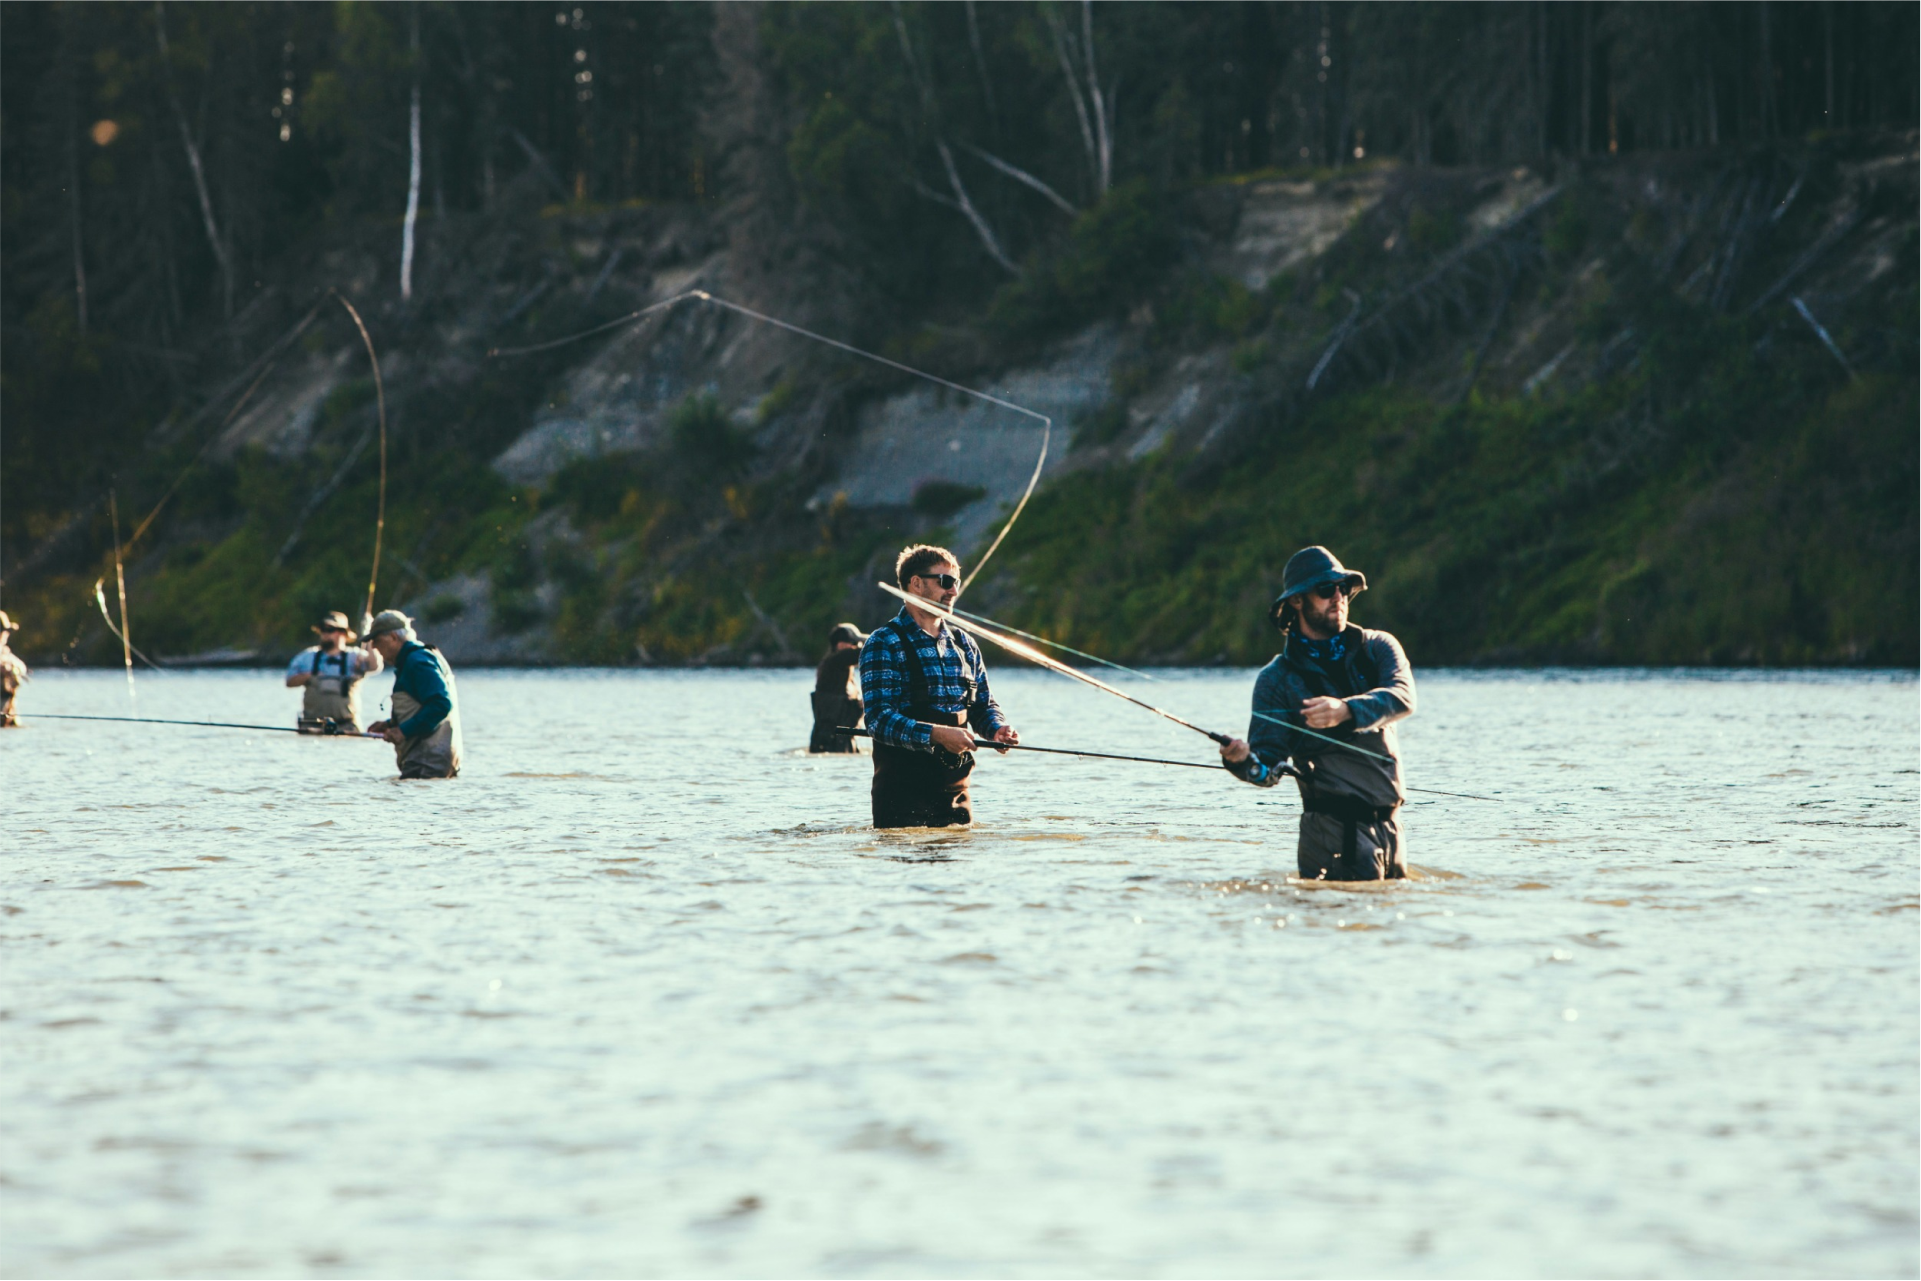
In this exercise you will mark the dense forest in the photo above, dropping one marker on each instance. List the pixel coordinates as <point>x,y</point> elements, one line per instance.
<point>971,185</point>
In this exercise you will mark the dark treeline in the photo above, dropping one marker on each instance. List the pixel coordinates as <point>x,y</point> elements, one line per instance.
<point>161,165</point>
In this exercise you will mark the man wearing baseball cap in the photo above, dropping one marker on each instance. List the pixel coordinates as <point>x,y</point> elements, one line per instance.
<point>329,675</point>
<point>13,673</point>
<point>837,691</point>
<point>1347,685</point>
<point>425,728</point>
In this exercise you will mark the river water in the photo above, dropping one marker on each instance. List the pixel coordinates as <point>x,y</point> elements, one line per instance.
<point>641,994</point>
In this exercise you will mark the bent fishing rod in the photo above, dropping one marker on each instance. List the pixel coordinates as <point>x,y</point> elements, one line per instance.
<point>1039,659</point>
<point>324,729</point>
<point>1063,751</point>
<point>701,295</point>
<point>1034,656</point>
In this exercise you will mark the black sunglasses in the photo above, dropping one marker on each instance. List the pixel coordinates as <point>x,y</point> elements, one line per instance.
<point>1328,591</point>
<point>947,581</point>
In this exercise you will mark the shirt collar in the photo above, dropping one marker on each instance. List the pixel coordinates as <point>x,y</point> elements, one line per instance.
<point>907,620</point>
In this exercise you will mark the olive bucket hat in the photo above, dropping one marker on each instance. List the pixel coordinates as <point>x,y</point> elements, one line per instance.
<point>1313,567</point>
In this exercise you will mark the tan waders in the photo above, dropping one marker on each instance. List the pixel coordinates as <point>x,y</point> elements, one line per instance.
<point>332,691</point>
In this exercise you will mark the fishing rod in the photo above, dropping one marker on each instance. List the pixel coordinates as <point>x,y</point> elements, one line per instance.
<point>1052,644</point>
<point>328,729</point>
<point>701,295</point>
<point>1033,655</point>
<point>1062,751</point>
<point>380,402</point>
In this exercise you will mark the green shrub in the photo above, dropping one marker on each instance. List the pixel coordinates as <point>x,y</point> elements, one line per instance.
<point>1111,253</point>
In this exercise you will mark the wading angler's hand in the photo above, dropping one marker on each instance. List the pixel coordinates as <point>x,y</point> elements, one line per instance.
<point>1324,712</point>
<point>387,730</point>
<point>952,738</point>
<point>1005,734</point>
<point>1235,750</point>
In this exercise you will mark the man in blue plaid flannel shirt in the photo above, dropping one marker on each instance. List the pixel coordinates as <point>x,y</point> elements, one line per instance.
<point>925,689</point>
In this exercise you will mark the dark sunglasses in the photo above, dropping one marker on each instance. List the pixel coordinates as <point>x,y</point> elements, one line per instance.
<point>947,581</point>
<point>1328,591</point>
<point>332,631</point>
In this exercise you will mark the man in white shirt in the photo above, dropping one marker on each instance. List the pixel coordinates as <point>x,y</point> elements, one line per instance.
<point>330,674</point>
<point>13,673</point>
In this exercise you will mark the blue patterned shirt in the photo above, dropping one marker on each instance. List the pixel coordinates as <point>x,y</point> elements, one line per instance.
<point>956,678</point>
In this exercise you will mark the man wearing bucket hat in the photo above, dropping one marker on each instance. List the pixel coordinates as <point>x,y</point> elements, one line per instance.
<point>1347,685</point>
<point>425,727</point>
<point>13,673</point>
<point>837,691</point>
<point>328,676</point>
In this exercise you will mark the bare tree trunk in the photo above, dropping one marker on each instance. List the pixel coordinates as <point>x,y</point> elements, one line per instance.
<point>973,215</point>
<point>1104,140</point>
<point>214,239</point>
<point>1022,176</point>
<point>1074,92</point>
<point>980,66</point>
<point>930,109</point>
<point>73,190</point>
<point>1587,78</point>
<point>413,170</point>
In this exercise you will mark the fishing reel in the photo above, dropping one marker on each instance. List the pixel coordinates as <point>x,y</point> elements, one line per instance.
<point>324,725</point>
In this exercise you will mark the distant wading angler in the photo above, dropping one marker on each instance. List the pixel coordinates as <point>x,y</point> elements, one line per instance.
<point>925,689</point>
<point>837,702</point>
<point>13,673</point>
<point>425,729</point>
<point>1344,682</point>
<point>329,675</point>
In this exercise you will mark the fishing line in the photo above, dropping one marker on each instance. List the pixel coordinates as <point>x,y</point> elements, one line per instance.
<point>380,512</point>
<point>1033,655</point>
<point>100,598</point>
<point>120,581</point>
<point>1057,751</point>
<point>152,720</point>
<point>1079,653</point>
<point>701,295</point>
<point>270,357</point>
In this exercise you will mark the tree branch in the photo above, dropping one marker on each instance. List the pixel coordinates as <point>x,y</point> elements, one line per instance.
<point>1021,175</point>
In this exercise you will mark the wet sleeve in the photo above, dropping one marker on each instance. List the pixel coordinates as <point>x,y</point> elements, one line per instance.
<point>1393,698</point>
<point>421,677</point>
<point>1267,732</point>
<point>883,690</point>
<point>985,715</point>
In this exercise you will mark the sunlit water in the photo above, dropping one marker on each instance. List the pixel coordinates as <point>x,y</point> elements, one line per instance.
<point>641,994</point>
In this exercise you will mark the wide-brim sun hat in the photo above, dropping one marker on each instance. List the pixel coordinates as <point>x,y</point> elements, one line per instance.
<point>1313,567</point>
<point>336,620</point>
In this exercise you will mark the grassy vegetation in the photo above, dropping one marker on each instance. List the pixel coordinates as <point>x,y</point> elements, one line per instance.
<point>1707,506</point>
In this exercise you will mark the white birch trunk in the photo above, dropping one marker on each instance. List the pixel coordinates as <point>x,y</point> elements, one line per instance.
<point>413,204</point>
<point>413,173</point>
<point>214,240</point>
<point>1074,92</point>
<point>1103,140</point>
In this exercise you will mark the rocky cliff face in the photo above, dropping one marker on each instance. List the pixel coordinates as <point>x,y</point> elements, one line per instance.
<point>700,486</point>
